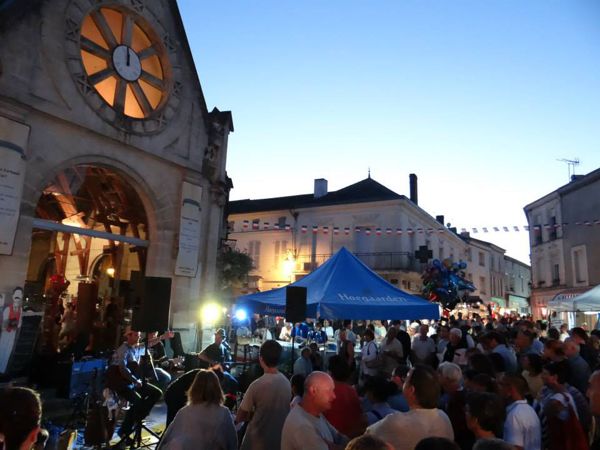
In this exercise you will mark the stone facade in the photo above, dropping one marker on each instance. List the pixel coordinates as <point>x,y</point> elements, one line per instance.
<point>40,91</point>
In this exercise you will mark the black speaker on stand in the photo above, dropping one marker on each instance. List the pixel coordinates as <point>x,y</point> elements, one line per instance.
<point>151,304</point>
<point>295,309</point>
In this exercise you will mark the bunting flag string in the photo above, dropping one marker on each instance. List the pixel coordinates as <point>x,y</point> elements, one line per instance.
<point>256,225</point>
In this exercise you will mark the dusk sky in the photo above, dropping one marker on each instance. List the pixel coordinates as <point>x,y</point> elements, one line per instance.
<point>478,98</point>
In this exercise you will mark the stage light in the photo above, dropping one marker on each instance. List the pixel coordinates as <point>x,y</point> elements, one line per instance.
<point>241,315</point>
<point>210,313</point>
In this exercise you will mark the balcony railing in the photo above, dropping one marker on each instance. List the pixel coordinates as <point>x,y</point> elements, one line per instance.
<point>376,261</point>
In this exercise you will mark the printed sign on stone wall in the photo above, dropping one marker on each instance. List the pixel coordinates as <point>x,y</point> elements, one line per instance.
<point>13,139</point>
<point>189,230</point>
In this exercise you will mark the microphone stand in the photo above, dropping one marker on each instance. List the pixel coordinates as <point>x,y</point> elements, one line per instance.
<point>139,425</point>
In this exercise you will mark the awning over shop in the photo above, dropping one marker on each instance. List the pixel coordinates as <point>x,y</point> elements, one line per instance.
<point>517,302</point>
<point>498,301</point>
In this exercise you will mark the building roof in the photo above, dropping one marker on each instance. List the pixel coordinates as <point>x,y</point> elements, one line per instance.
<point>469,239</point>
<point>577,182</point>
<point>367,190</point>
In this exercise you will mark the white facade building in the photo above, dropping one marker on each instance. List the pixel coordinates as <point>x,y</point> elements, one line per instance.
<point>565,241</point>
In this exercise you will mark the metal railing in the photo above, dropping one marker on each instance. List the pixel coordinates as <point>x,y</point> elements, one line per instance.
<point>376,261</point>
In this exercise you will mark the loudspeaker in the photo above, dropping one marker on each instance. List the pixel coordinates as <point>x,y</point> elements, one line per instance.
<point>151,304</point>
<point>87,295</point>
<point>295,304</point>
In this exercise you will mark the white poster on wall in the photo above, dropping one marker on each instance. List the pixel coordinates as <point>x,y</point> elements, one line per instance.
<point>189,230</point>
<point>13,140</point>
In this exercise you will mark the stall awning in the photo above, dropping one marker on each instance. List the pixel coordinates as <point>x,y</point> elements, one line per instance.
<point>564,300</point>
<point>517,302</point>
<point>498,301</point>
<point>345,288</point>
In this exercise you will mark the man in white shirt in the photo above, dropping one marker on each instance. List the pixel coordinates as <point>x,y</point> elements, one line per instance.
<point>522,427</point>
<point>305,426</point>
<point>423,347</point>
<point>404,430</point>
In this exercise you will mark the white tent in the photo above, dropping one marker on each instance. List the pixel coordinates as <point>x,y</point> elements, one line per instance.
<point>588,301</point>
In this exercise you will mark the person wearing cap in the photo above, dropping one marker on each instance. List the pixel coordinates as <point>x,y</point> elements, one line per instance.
<point>215,352</point>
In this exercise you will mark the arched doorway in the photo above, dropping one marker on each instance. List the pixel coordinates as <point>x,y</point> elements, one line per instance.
<point>90,234</point>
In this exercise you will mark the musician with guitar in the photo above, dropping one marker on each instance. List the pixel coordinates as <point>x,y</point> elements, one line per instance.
<point>159,356</point>
<point>125,378</point>
<point>218,351</point>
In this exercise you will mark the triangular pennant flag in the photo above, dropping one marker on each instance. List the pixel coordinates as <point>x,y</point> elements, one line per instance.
<point>325,230</point>
<point>265,225</point>
<point>516,228</point>
<point>505,229</point>
<point>398,231</point>
<point>346,230</point>
<point>304,228</point>
<point>336,230</point>
<point>368,231</point>
<point>315,229</point>
<point>378,231</point>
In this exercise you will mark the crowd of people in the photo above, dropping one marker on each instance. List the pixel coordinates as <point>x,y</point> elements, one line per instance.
<point>458,383</point>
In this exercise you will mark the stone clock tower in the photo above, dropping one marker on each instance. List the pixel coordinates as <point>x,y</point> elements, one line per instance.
<point>113,168</point>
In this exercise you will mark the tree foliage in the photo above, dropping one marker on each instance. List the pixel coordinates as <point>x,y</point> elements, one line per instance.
<point>234,267</point>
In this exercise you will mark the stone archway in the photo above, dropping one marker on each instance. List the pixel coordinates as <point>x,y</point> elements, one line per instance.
<point>87,213</point>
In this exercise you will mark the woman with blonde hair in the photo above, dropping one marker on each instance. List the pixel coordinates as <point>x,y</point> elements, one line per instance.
<point>204,423</point>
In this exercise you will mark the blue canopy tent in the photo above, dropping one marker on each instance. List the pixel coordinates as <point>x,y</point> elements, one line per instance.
<point>345,288</point>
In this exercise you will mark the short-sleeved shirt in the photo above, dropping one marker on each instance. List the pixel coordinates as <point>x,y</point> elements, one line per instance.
<point>268,400</point>
<point>345,414</point>
<point>423,349</point>
<point>304,431</point>
<point>508,356</point>
<point>214,352</point>
<point>404,430</point>
<point>522,426</point>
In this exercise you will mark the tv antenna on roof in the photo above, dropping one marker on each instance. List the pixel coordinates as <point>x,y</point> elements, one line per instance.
<point>571,163</point>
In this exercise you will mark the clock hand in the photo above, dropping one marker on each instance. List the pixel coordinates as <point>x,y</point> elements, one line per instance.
<point>128,56</point>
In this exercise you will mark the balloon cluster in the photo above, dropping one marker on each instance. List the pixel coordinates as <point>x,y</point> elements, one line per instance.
<point>58,284</point>
<point>445,282</point>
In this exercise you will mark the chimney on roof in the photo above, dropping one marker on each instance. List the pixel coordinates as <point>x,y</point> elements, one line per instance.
<point>440,219</point>
<point>576,177</point>
<point>414,195</point>
<point>320,187</point>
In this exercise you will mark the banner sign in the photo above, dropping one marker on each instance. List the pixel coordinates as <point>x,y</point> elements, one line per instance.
<point>189,231</point>
<point>13,139</point>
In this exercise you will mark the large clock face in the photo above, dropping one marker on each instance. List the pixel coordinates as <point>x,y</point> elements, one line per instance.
<point>123,62</point>
<point>120,58</point>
